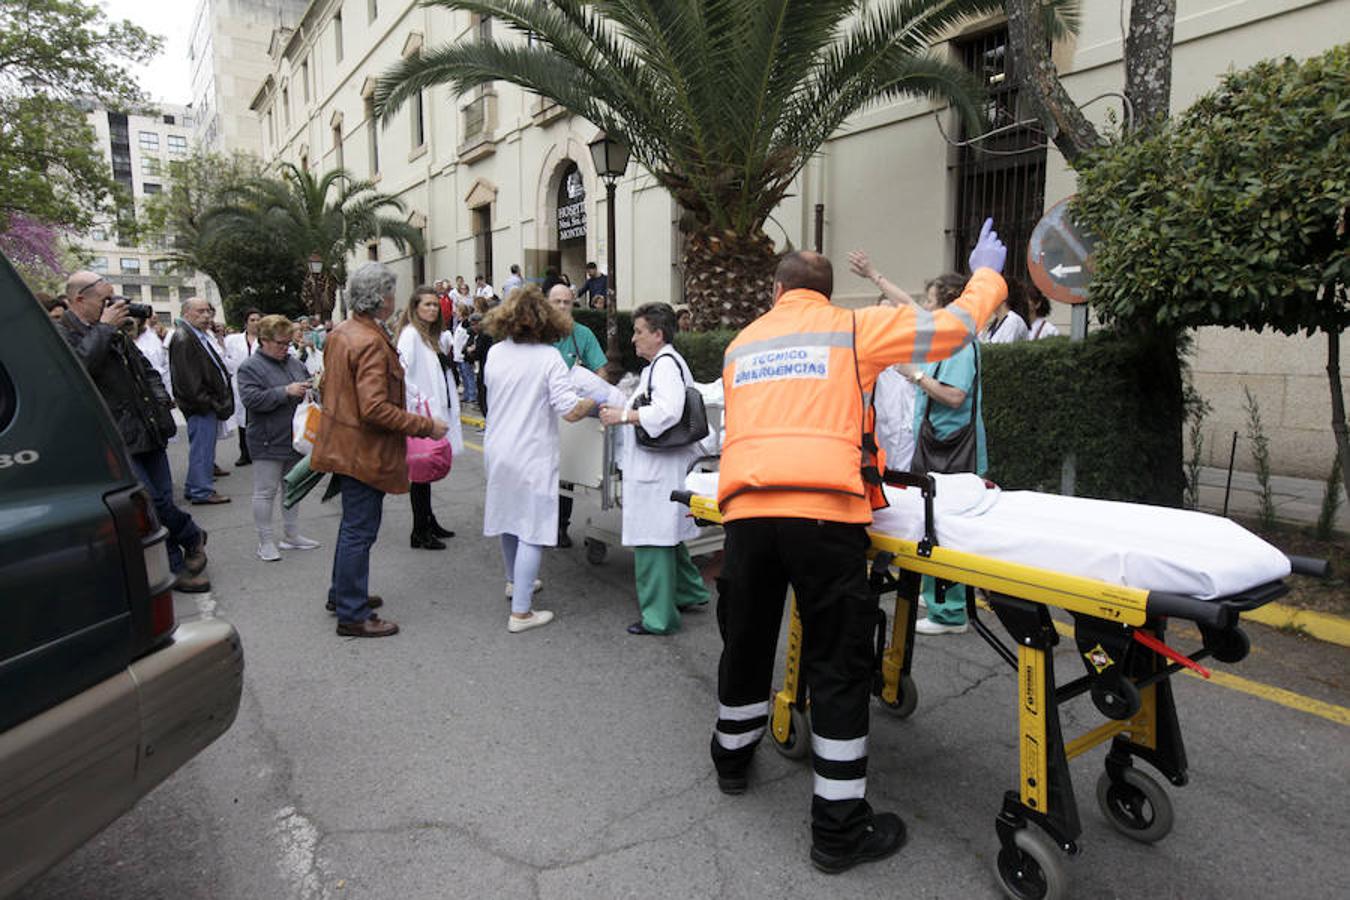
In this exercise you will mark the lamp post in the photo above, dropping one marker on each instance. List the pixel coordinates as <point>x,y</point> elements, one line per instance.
<point>610,155</point>
<point>316,284</point>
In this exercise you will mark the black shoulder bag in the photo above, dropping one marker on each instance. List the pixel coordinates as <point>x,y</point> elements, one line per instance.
<point>693,424</point>
<point>949,455</point>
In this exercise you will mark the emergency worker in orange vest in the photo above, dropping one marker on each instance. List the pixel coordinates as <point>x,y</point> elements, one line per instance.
<point>796,477</point>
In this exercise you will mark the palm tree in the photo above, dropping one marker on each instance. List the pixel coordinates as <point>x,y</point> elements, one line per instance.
<point>723,101</point>
<point>323,219</point>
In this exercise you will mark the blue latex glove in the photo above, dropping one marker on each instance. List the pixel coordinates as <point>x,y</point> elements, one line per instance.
<point>989,252</point>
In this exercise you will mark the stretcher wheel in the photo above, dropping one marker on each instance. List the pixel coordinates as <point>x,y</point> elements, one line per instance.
<point>909,698</point>
<point>596,551</point>
<point>1116,698</point>
<point>798,742</point>
<point>1229,646</point>
<point>1135,805</point>
<point>1033,868</point>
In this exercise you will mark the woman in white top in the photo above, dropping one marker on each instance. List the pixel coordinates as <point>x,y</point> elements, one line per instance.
<point>1008,324</point>
<point>1041,327</point>
<point>419,334</point>
<point>530,389</point>
<point>653,525</point>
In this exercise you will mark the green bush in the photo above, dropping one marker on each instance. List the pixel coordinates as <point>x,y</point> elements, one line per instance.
<point>1043,399</point>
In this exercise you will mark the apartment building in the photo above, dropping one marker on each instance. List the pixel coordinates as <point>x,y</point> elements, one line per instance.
<point>500,176</point>
<point>140,148</point>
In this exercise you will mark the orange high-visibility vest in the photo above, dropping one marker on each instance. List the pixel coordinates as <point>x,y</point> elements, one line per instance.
<point>798,383</point>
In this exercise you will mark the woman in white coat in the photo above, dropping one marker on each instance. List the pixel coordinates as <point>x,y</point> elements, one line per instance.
<point>653,525</point>
<point>428,394</point>
<point>530,388</point>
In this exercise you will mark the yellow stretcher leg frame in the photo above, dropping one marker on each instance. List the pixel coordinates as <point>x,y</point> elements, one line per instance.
<point>789,725</point>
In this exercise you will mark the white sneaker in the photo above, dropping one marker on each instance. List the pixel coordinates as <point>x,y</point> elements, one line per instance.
<point>511,587</point>
<point>535,619</point>
<point>299,542</point>
<point>928,626</point>
<point>267,552</point>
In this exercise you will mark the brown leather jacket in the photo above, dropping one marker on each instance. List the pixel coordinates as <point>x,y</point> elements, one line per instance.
<point>364,426</point>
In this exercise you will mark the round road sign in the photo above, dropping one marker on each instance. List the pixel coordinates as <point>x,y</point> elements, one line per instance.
<point>1059,256</point>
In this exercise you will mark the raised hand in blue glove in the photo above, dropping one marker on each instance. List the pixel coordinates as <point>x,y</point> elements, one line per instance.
<point>989,252</point>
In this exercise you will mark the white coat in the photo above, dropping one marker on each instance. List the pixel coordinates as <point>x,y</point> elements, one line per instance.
<point>894,395</point>
<point>529,389</point>
<point>650,517</point>
<point>238,348</point>
<point>424,379</point>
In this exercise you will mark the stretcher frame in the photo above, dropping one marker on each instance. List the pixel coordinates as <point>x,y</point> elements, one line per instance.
<point>1119,632</point>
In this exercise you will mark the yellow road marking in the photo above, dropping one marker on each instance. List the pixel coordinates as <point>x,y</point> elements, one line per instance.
<point>1328,711</point>
<point>472,446</point>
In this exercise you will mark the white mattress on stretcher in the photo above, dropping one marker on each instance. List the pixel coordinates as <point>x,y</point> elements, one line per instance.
<point>1155,548</point>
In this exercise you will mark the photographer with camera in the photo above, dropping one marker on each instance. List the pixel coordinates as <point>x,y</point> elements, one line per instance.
<point>140,407</point>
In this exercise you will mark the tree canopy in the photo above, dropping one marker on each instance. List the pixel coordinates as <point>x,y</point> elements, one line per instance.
<point>56,57</point>
<point>1234,213</point>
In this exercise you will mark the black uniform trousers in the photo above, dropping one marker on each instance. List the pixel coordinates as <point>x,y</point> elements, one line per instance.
<point>825,563</point>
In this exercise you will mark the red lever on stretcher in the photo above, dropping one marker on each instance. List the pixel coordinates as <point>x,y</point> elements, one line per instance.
<point>1162,649</point>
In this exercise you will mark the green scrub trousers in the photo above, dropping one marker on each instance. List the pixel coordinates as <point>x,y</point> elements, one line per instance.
<point>951,609</point>
<point>667,582</point>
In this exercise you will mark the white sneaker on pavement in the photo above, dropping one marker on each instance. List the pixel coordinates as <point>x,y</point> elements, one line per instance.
<point>535,619</point>
<point>928,626</point>
<point>511,587</point>
<point>299,542</point>
<point>267,552</point>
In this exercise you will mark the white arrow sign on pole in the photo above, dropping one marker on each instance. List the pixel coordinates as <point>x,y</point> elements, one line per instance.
<point>1060,270</point>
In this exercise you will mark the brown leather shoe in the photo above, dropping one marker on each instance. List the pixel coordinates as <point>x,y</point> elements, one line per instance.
<point>218,472</point>
<point>192,583</point>
<point>194,560</point>
<point>372,628</point>
<point>210,501</point>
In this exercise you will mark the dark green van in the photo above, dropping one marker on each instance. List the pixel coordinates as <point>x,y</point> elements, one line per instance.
<point>102,694</point>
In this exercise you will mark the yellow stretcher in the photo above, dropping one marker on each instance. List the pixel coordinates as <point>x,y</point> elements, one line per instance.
<point>1119,632</point>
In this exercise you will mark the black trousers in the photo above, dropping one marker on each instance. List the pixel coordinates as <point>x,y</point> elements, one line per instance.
<point>564,508</point>
<point>243,446</point>
<point>825,563</point>
<point>419,493</point>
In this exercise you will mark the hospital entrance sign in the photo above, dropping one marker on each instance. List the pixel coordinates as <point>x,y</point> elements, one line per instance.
<point>1059,256</point>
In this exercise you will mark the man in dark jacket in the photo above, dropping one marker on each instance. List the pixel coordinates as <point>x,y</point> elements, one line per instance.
<point>201,385</point>
<point>140,406</point>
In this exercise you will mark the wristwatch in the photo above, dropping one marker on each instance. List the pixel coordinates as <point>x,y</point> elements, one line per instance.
<point>917,376</point>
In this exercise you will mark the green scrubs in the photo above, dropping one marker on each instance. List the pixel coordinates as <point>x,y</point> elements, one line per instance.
<point>667,582</point>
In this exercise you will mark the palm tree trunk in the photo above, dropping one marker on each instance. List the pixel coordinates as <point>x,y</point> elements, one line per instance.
<point>728,277</point>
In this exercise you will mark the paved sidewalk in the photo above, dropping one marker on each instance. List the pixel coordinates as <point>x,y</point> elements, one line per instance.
<point>1297,500</point>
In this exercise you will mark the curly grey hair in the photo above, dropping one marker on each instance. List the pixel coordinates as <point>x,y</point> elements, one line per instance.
<point>368,286</point>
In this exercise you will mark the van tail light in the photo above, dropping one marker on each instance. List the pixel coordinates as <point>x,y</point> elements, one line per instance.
<point>161,614</point>
<point>144,547</point>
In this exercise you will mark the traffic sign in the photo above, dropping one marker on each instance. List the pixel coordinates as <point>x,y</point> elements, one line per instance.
<point>1059,256</point>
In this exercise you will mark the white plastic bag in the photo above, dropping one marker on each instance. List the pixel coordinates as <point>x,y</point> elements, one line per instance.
<point>305,426</point>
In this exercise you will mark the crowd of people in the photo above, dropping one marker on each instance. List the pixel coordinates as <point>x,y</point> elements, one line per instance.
<point>794,498</point>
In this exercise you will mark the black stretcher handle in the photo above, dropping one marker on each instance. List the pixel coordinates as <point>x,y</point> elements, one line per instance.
<point>1181,606</point>
<point>1306,565</point>
<point>928,487</point>
<point>685,497</point>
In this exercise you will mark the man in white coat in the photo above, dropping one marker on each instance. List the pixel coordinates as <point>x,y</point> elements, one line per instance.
<point>653,525</point>
<point>239,347</point>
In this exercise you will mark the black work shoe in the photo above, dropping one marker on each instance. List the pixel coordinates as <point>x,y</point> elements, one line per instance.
<point>883,837</point>
<point>732,785</point>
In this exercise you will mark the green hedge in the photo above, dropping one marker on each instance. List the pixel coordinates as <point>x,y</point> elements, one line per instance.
<point>1043,399</point>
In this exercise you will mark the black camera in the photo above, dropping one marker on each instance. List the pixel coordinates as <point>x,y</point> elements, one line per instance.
<point>135,310</point>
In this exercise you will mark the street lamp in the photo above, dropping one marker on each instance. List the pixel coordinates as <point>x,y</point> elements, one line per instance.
<point>610,155</point>
<point>315,284</point>
<point>315,263</point>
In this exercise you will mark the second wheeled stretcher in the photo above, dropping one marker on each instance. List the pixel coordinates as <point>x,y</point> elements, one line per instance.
<point>1029,553</point>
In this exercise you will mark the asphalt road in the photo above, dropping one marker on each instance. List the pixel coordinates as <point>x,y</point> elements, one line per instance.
<point>458,760</point>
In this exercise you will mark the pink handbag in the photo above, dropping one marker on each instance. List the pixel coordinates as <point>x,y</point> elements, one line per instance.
<point>429,459</point>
